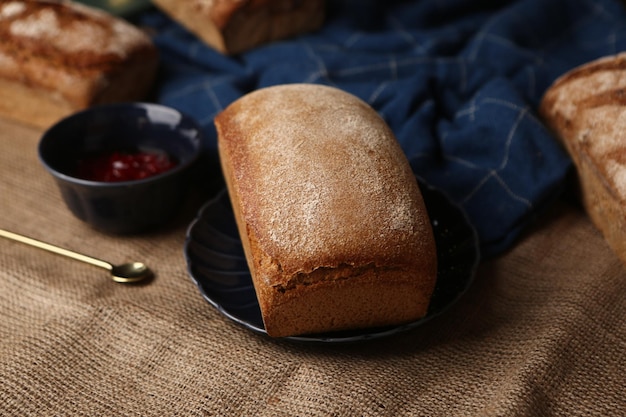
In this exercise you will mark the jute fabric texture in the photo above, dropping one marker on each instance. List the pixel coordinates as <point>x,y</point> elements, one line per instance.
<point>542,331</point>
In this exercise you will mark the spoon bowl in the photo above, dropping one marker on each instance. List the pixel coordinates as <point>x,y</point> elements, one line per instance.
<point>130,272</point>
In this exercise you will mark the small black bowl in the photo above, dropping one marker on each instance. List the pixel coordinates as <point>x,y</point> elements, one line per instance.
<point>129,206</point>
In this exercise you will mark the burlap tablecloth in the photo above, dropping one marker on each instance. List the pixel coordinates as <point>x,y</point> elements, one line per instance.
<point>542,331</point>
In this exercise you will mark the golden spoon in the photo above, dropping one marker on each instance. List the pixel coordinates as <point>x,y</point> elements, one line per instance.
<point>125,273</point>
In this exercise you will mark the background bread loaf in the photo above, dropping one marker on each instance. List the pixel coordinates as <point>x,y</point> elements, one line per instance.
<point>586,109</point>
<point>57,57</point>
<point>233,26</point>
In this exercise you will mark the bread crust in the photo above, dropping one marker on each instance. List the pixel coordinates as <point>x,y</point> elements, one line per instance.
<point>586,109</point>
<point>57,57</point>
<point>234,26</point>
<point>334,227</point>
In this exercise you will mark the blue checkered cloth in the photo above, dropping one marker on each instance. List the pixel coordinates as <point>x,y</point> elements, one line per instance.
<point>458,81</point>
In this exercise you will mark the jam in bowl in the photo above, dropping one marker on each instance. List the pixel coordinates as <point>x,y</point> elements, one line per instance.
<point>122,168</point>
<point>127,165</point>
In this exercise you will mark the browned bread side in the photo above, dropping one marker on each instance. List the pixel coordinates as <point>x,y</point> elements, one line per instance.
<point>586,108</point>
<point>333,223</point>
<point>60,57</point>
<point>233,26</point>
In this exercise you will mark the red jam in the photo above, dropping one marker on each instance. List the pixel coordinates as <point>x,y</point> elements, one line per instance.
<point>124,166</point>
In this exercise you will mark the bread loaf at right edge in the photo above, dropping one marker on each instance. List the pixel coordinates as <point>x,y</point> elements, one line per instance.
<point>586,109</point>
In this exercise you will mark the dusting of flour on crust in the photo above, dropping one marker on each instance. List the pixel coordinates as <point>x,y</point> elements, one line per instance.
<point>11,9</point>
<point>46,25</point>
<point>332,170</point>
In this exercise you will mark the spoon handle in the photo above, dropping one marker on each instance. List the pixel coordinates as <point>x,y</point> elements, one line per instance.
<point>55,249</point>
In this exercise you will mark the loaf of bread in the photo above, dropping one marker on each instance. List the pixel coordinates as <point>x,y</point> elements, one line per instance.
<point>586,109</point>
<point>233,26</point>
<point>58,57</point>
<point>332,220</point>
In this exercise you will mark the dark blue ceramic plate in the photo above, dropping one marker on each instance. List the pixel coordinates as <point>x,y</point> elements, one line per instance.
<point>217,264</point>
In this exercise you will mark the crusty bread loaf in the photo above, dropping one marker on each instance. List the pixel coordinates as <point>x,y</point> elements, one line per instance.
<point>233,26</point>
<point>586,108</point>
<point>332,220</point>
<point>57,57</point>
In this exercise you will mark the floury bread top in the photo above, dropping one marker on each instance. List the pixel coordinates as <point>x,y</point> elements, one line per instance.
<point>68,34</point>
<point>57,57</point>
<point>316,161</point>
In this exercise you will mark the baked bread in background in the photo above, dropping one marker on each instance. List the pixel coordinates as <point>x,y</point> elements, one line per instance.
<point>58,57</point>
<point>233,26</point>
<point>333,224</point>
<point>586,109</point>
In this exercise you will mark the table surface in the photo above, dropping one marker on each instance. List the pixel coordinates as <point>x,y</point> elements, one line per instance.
<point>542,331</point>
